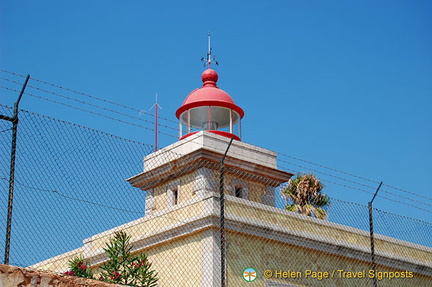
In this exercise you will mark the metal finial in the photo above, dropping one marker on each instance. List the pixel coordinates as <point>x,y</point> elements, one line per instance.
<point>209,59</point>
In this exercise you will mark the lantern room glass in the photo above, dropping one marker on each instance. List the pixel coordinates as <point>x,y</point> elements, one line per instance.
<point>210,118</point>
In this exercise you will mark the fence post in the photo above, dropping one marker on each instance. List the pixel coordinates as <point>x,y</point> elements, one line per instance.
<point>222,216</point>
<point>14,121</point>
<point>372,235</point>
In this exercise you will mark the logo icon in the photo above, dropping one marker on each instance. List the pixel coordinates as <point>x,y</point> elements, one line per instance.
<point>249,274</point>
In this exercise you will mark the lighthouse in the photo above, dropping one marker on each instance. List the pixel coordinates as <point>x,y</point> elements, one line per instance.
<point>181,228</point>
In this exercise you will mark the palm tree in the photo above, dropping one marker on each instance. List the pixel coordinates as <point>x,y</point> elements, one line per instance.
<point>303,195</point>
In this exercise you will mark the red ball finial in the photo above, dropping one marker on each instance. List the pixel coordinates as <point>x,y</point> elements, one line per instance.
<point>209,75</point>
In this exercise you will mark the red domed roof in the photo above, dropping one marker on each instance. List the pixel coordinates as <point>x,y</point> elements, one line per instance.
<point>209,95</point>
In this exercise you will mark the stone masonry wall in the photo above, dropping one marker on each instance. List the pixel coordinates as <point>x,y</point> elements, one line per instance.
<point>11,276</point>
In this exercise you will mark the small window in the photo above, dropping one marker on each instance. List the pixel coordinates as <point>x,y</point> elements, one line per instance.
<point>238,192</point>
<point>175,197</point>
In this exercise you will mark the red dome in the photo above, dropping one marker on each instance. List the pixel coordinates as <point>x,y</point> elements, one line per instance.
<point>209,95</point>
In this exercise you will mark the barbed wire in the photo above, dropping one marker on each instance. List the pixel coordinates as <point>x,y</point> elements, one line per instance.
<point>340,184</point>
<point>409,192</point>
<point>80,126</point>
<point>89,104</point>
<point>72,198</point>
<point>317,171</point>
<point>89,96</point>
<point>383,197</point>
<point>354,182</point>
<point>11,81</point>
<point>353,175</point>
<point>12,73</point>
<point>401,216</point>
<point>99,107</point>
<point>379,210</point>
<point>87,111</point>
<point>326,167</point>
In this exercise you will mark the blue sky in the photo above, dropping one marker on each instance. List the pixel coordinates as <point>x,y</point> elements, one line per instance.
<point>344,84</point>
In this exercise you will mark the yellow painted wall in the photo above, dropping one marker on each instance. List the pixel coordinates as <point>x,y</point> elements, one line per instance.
<point>303,224</point>
<point>261,254</point>
<point>178,262</point>
<point>187,187</point>
<point>160,197</point>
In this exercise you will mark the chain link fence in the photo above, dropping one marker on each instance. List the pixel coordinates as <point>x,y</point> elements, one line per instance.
<point>75,187</point>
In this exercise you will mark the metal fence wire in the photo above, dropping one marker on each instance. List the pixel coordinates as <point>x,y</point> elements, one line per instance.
<point>75,187</point>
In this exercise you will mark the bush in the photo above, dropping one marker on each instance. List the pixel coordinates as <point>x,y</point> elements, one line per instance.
<point>122,267</point>
<point>78,267</point>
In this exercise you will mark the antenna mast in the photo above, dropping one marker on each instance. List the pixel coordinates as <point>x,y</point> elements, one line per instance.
<point>156,105</point>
